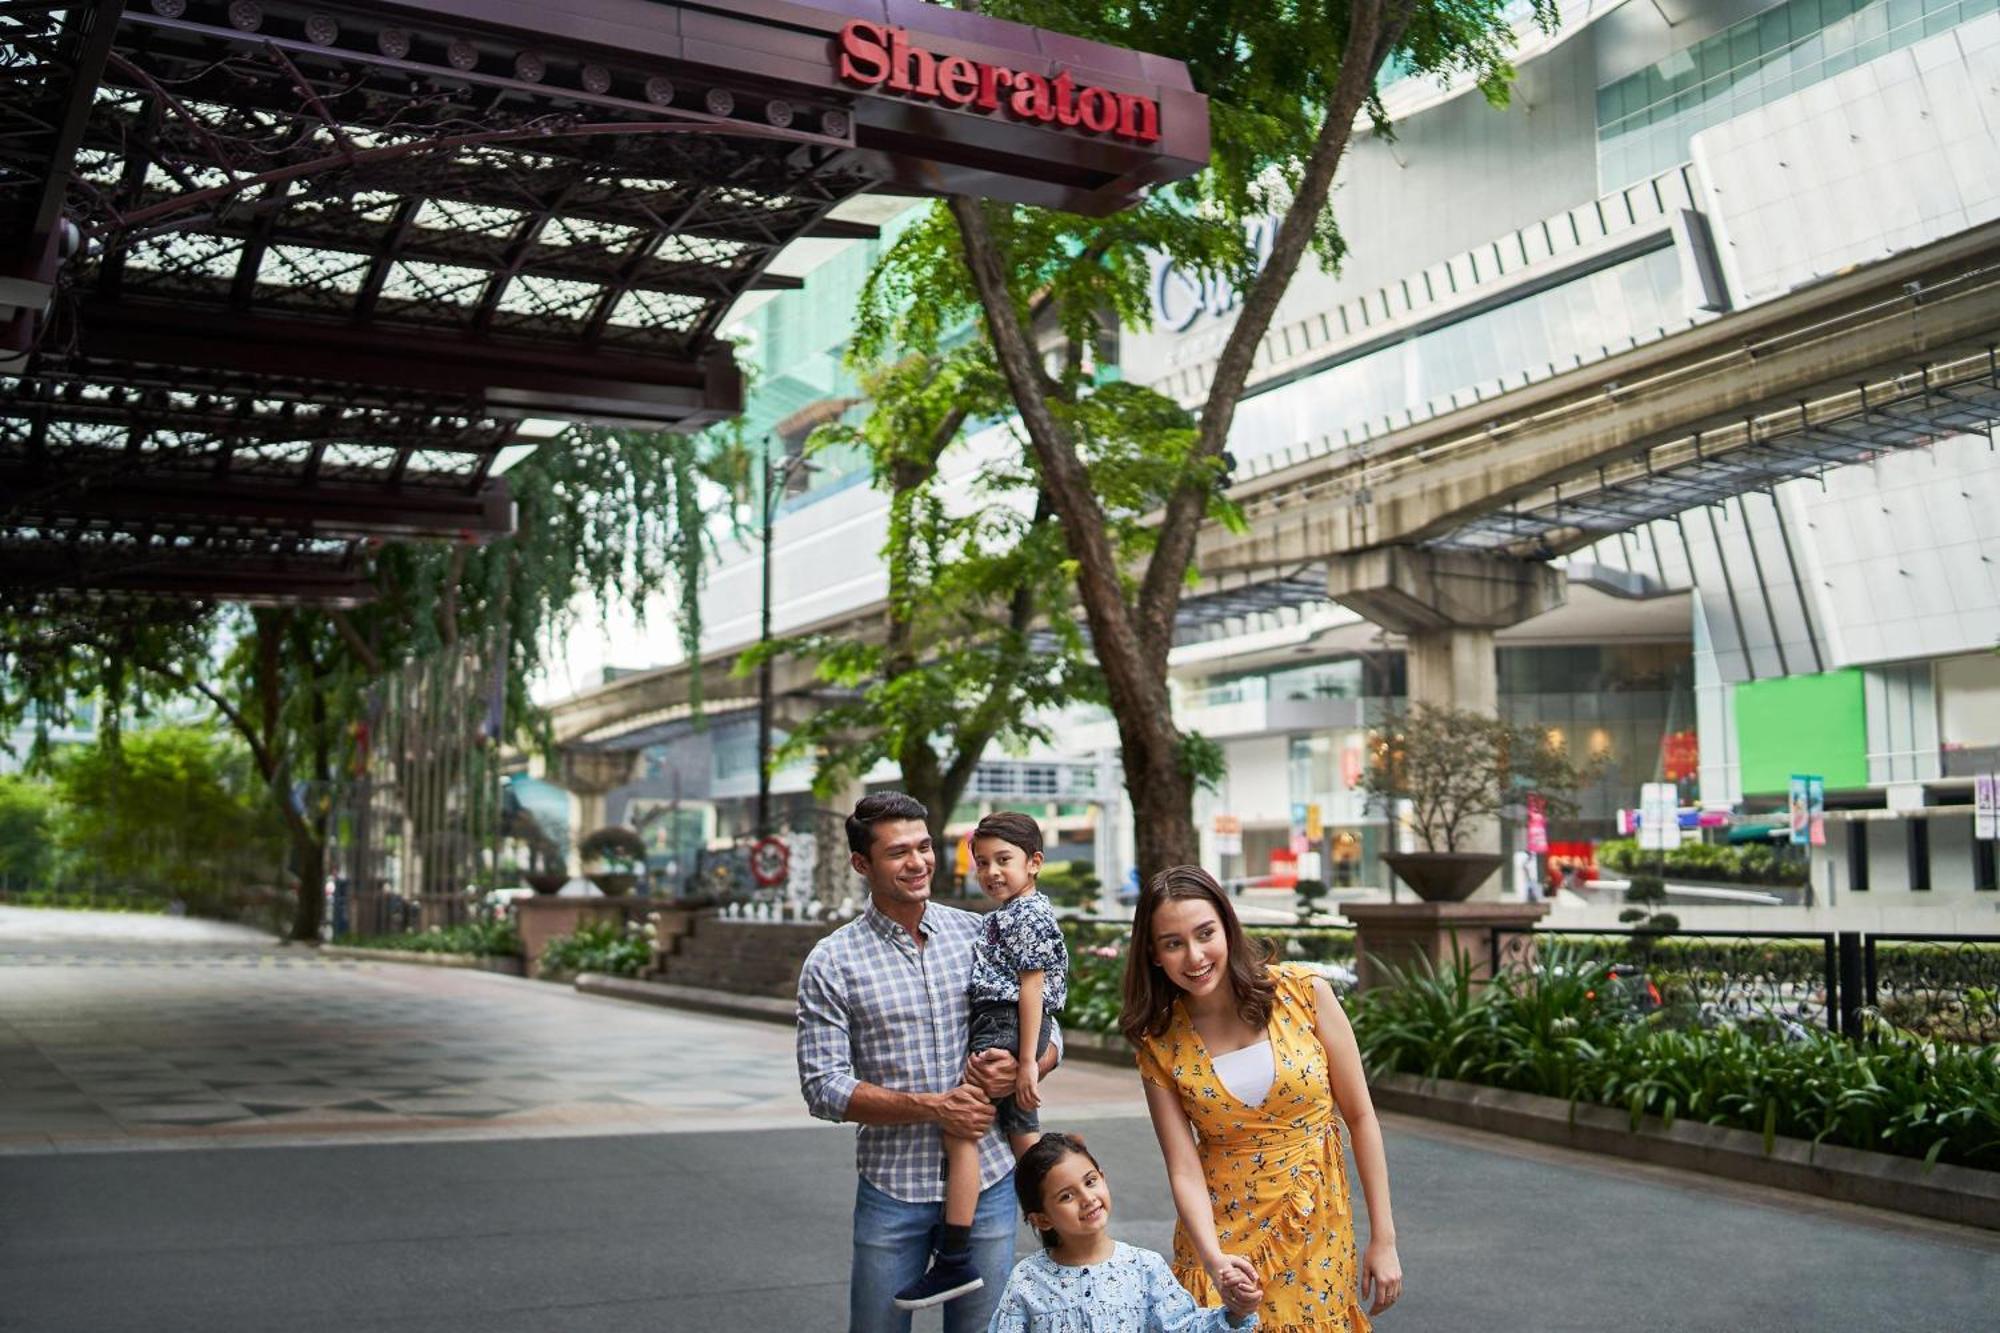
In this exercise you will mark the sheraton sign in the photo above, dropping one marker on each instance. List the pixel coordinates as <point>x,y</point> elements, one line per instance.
<point>875,55</point>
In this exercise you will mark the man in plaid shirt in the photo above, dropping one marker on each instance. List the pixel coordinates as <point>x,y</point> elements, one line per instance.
<point>882,1038</point>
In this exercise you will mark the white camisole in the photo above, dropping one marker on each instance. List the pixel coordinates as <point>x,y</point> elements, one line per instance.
<point>1248,1073</point>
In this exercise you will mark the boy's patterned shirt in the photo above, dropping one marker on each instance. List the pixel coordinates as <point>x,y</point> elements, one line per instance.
<point>1021,936</point>
<point>875,1008</point>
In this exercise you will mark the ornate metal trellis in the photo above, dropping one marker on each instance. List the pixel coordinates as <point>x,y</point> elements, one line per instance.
<point>307,267</point>
<point>277,270</point>
<point>420,823</point>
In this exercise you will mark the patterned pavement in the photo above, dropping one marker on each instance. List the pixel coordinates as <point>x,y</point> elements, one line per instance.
<point>160,1035</point>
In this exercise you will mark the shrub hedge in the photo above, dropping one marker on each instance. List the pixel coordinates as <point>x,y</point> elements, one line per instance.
<point>485,939</point>
<point>1750,864</point>
<point>606,947</point>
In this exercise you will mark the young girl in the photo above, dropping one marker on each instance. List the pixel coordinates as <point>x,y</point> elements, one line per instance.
<point>1084,1281</point>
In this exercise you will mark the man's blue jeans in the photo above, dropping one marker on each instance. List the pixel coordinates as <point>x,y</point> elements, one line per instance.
<point>892,1248</point>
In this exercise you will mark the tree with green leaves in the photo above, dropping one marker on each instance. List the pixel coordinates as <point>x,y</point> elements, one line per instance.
<point>602,517</point>
<point>27,839</point>
<point>1287,86</point>
<point>174,812</point>
<point>1459,769</point>
<point>974,648</point>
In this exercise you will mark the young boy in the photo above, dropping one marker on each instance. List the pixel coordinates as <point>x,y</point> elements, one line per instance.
<point>1020,968</point>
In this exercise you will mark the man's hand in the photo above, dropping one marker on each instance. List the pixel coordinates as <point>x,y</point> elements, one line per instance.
<point>993,1072</point>
<point>1028,1088</point>
<point>964,1112</point>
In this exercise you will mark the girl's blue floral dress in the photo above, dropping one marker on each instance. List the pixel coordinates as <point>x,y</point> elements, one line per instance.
<point>1131,1292</point>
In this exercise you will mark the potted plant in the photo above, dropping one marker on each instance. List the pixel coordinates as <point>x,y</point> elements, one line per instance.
<point>1457,770</point>
<point>1307,894</point>
<point>619,854</point>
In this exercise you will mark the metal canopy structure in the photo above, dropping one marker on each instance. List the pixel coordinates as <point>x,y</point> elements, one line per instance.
<point>280,278</point>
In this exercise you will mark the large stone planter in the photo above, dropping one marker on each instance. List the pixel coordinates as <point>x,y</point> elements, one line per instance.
<point>613,883</point>
<point>1444,877</point>
<point>547,886</point>
<point>1411,935</point>
<point>542,919</point>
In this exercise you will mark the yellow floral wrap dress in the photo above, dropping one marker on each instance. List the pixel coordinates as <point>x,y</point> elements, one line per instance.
<point>1277,1172</point>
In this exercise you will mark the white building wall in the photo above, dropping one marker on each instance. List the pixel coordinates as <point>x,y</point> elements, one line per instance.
<point>1885,157</point>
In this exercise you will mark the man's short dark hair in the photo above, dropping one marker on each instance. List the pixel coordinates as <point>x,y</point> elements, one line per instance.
<point>1011,826</point>
<point>876,808</point>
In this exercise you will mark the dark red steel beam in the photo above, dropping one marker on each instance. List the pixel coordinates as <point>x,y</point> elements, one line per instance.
<point>324,509</point>
<point>258,581</point>
<point>501,378</point>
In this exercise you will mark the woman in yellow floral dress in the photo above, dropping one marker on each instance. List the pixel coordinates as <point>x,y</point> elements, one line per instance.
<point>1260,1183</point>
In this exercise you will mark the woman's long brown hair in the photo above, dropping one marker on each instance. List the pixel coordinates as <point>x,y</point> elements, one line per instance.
<point>1149,996</point>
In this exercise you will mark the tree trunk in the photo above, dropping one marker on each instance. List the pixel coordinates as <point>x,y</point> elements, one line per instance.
<point>310,911</point>
<point>1132,639</point>
<point>1134,663</point>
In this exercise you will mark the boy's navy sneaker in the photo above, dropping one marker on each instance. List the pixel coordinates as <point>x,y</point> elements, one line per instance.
<point>951,1276</point>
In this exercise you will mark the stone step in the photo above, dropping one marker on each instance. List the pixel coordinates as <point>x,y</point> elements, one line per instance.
<point>739,957</point>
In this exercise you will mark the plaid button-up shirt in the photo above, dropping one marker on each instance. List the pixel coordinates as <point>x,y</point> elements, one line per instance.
<point>874,1008</point>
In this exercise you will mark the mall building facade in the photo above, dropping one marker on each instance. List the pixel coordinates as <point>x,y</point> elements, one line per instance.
<point>1659,165</point>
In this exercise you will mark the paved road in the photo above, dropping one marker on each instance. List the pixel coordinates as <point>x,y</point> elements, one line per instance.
<point>557,1216</point>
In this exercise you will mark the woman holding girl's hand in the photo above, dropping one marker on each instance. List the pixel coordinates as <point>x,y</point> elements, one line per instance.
<point>1251,1069</point>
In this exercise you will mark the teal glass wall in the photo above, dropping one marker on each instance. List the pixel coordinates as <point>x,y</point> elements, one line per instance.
<point>1645,120</point>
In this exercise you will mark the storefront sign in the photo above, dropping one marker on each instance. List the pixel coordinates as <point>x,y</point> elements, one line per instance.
<point>1228,835</point>
<point>1986,806</point>
<point>1180,298</point>
<point>1538,824</point>
<point>873,55</point>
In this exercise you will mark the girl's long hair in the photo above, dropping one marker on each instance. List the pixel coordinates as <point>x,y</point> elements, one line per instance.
<point>1149,996</point>
<point>1034,1168</point>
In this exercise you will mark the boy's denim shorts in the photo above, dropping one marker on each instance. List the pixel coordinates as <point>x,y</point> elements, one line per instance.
<point>997,1025</point>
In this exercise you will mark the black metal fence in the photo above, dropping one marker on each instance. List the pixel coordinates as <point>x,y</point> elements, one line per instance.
<point>1945,985</point>
<point>1942,986</point>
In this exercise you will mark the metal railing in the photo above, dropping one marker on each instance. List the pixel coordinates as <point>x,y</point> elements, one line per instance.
<point>1945,986</point>
<point>1941,986</point>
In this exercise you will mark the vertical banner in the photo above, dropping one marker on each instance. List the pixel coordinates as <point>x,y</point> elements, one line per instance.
<point>1799,810</point>
<point>1986,807</point>
<point>1538,825</point>
<point>1659,817</point>
<point>1314,827</point>
<point>1816,810</point>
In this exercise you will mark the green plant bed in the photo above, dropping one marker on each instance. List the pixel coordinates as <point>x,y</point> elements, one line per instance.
<point>85,900</point>
<point>481,939</point>
<point>1753,864</point>
<point>610,948</point>
<point>1553,1031</point>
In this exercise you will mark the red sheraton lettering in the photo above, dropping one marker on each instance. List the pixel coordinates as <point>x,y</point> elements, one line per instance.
<point>876,55</point>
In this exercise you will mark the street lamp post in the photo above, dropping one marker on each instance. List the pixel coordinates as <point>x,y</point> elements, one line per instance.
<point>777,475</point>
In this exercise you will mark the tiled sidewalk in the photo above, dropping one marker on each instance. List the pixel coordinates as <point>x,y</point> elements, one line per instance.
<point>135,1045</point>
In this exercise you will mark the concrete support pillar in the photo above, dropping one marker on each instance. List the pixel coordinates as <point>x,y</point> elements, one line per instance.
<point>1447,605</point>
<point>1454,668</point>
